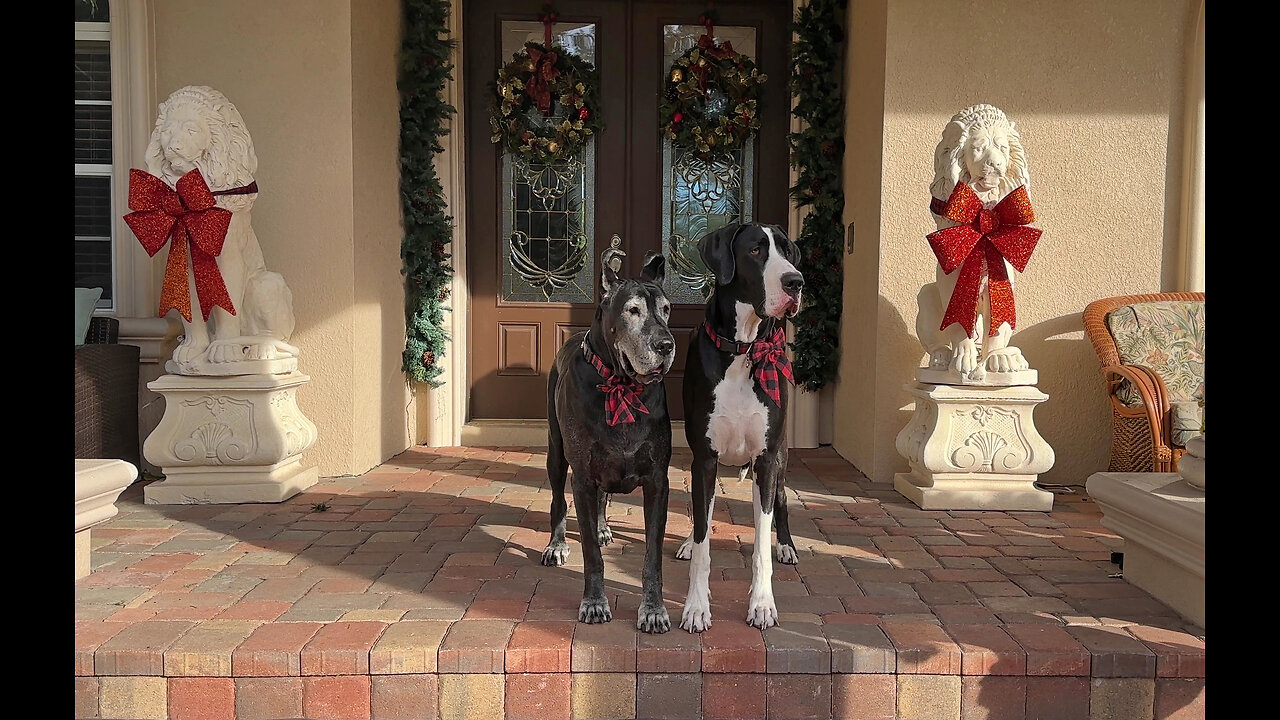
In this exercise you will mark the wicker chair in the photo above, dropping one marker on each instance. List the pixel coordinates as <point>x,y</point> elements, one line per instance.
<point>1141,435</point>
<point>106,395</point>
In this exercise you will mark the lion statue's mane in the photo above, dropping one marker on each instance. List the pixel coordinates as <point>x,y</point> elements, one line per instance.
<point>948,159</point>
<point>228,161</point>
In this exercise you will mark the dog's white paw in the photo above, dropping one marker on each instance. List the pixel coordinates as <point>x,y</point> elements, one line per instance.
<point>685,551</point>
<point>787,555</point>
<point>604,535</point>
<point>761,611</point>
<point>653,619</point>
<point>697,614</point>
<point>594,610</point>
<point>556,554</point>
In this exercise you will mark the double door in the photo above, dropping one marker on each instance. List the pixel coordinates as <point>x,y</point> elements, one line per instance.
<point>535,232</point>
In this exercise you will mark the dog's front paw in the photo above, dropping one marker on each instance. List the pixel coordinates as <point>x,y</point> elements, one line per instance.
<point>697,615</point>
<point>556,554</point>
<point>653,619</point>
<point>787,555</point>
<point>685,551</point>
<point>594,610</point>
<point>761,612</point>
<point>604,535</point>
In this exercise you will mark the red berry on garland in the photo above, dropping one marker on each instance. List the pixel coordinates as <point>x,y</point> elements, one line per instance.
<point>583,114</point>
<point>428,358</point>
<point>678,117</point>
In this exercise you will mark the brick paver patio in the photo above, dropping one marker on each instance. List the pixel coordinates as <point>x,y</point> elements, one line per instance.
<point>418,593</point>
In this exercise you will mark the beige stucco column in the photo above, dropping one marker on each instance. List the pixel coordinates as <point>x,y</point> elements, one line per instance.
<point>1097,89</point>
<point>316,83</point>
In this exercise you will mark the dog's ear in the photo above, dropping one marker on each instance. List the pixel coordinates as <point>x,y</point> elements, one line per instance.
<point>655,268</point>
<point>716,249</point>
<point>610,266</point>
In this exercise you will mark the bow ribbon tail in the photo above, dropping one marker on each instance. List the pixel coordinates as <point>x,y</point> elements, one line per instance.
<point>1000,292</point>
<point>175,294</point>
<point>210,287</point>
<point>784,367</point>
<point>963,307</point>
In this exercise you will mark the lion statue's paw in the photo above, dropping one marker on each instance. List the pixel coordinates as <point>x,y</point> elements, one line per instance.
<point>940,359</point>
<point>1006,360</point>
<point>227,351</point>
<point>964,356</point>
<point>189,350</point>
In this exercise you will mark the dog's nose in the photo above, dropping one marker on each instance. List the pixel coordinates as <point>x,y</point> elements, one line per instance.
<point>793,283</point>
<point>663,346</point>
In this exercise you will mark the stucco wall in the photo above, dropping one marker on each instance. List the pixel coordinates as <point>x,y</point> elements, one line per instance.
<point>1096,90</point>
<point>315,82</point>
<point>382,397</point>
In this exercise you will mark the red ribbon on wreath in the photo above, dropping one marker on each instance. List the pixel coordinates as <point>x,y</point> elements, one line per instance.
<point>979,245</point>
<point>538,88</point>
<point>188,216</point>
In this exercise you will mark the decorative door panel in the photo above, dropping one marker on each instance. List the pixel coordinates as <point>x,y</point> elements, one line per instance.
<point>702,195</point>
<point>548,217</point>
<point>533,231</point>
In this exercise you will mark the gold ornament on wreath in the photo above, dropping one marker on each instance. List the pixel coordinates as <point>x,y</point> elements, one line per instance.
<point>546,101</point>
<point>711,102</point>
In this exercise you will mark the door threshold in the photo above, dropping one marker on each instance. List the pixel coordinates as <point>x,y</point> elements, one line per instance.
<point>533,432</point>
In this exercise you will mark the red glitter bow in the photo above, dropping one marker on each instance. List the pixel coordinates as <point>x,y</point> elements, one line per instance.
<point>621,393</point>
<point>538,88</point>
<point>768,358</point>
<point>189,217</point>
<point>979,246</point>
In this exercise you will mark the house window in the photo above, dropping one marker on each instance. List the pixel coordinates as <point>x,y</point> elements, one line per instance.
<point>95,253</point>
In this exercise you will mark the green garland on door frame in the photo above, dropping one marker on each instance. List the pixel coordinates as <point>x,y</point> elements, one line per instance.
<point>428,229</point>
<point>817,153</point>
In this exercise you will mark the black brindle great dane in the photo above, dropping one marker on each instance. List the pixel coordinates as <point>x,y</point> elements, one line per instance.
<point>736,405</point>
<point>607,416</point>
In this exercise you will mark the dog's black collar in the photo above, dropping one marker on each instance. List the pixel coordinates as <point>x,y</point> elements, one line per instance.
<point>724,344</point>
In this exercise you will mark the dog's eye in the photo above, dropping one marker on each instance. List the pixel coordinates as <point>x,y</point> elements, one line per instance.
<point>755,251</point>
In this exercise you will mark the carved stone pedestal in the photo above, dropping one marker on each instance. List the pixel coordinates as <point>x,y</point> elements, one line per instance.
<point>974,448</point>
<point>230,439</point>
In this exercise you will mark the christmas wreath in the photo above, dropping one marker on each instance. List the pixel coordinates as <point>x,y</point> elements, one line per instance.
<point>527,91</point>
<point>712,97</point>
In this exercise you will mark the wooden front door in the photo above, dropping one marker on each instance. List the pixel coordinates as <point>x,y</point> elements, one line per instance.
<point>629,182</point>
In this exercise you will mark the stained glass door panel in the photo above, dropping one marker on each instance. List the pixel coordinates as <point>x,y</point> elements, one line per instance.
<point>548,214</point>
<point>700,195</point>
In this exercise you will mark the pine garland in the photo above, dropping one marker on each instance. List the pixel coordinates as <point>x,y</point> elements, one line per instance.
<point>817,152</point>
<point>428,272</point>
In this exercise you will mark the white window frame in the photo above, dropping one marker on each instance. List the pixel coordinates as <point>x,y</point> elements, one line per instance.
<point>101,32</point>
<point>133,107</point>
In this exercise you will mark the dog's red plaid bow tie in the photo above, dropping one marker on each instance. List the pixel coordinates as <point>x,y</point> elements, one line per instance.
<point>621,393</point>
<point>768,358</point>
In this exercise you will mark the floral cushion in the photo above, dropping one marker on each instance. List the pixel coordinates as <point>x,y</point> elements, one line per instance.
<point>1187,420</point>
<point>1168,338</point>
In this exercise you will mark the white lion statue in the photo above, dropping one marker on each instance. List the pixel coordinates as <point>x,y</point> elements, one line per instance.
<point>980,147</point>
<point>199,128</point>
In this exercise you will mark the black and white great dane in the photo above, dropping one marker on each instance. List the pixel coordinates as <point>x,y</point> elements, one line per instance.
<point>607,418</point>
<point>735,403</point>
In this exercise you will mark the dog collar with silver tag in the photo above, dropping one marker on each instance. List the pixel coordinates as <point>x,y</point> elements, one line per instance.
<point>768,357</point>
